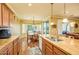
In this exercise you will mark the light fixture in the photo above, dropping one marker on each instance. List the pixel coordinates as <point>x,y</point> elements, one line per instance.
<point>52,13</point>
<point>29,4</point>
<point>65,19</point>
<point>72,24</point>
<point>52,23</point>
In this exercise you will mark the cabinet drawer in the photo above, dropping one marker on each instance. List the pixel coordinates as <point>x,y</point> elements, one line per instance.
<point>58,52</point>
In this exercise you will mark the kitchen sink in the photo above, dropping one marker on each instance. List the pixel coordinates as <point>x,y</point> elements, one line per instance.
<point>54,39</point>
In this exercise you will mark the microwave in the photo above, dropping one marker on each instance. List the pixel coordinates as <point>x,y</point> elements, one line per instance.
<point>5,32</point>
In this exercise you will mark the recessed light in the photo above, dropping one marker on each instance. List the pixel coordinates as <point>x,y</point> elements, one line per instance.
<point>29,4</point>
<point>67,12</point>
<point>52,23</point>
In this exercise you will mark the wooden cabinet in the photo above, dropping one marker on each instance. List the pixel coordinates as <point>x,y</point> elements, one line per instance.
<point>22,45</point>
<point>12,17</point>
<point>10,48</point>
<point>43,47</point>
<point>19,46</point>
<point>50,49</point>
<point>7,50</point>
<point>49,44</point>
<point>47,48</point>
<point>0,16</point>
<point>58,52</point>
<point>5,15</point>
<point>15,47</point>
<point>4,51</point>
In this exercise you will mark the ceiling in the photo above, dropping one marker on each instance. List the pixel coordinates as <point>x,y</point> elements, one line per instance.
<point>41,10</point>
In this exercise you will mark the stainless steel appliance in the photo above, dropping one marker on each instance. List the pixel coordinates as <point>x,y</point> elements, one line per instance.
<point>5,32</point>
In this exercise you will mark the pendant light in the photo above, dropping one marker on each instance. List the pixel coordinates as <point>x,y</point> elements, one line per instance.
<point>65,19</point>
<point>52,13</point>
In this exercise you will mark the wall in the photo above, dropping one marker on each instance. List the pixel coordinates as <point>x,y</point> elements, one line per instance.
<point>15,29</point>
<point>24,28</point>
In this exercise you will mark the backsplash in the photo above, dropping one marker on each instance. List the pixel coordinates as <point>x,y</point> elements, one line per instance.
<point>15,29</point>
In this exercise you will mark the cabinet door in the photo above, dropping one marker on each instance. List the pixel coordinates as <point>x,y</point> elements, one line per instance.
<point>4,51</point>
<point>58,52</point>
<point>10,48</point>
<point>49,44</point>
<point>43,46</point>
<point>24,45</point>
<point>0,16</point>
<point>48,51</point>
<point>19,46</point>
<point>5,14</point>
<point>15,47</point>
<point>11,18</point>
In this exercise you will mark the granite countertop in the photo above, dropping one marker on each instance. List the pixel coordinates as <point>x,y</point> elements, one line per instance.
<point>68,45</point>
<point>4,42</point>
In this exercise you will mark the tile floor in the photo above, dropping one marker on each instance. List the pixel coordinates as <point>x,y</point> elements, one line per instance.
<point>33,49</point>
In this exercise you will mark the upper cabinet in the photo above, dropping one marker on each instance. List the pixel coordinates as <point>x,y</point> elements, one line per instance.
<point>0,16</point>
<point>12,17</point>
<point>5,15</point>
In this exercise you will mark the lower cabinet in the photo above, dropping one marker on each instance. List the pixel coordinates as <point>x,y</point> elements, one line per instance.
<point>50,49</point>
<point>7,50</point>
<point>10,49</point>
<point>43,47</point>
<point>4,51</point>
<point>22,45</point>
<point>58,52</point>
<point>17,47</point>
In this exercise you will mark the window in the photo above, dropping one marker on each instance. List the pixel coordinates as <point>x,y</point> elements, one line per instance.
<point>63,27</point>
<point>46,27</point>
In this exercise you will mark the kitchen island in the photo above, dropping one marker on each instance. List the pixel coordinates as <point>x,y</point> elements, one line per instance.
<point>66,46</point>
